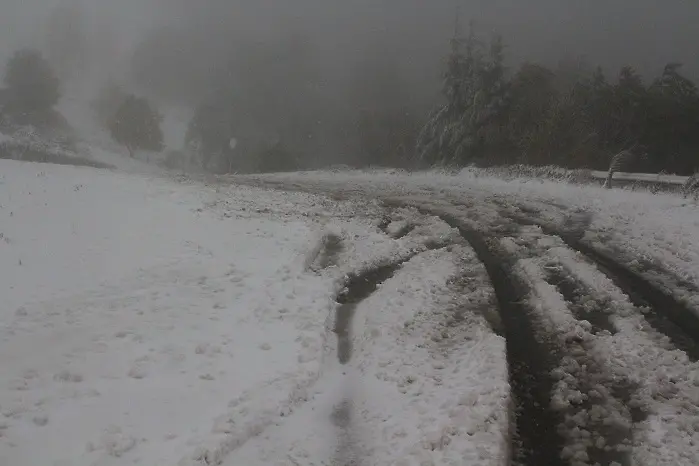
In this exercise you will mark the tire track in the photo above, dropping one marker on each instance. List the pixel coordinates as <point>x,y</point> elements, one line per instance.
<point>663,311</point>
<point>533,359</point>
<point>584,304</point>
<point>531,362</point>
<point>577,296</point>
<point>358,288</point>
<point>403,231</point>
<point>596,402</point>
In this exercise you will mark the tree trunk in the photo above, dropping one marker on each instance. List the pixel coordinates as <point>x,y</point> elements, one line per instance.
<point>608,181</point>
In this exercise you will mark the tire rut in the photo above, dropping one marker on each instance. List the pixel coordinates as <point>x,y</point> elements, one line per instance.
<point>575,294</point>
<point>403,231</point>
<point>600,419</point>
<point>358,288</point>
<point>598,423</point>
<point>661,310</point>
<point>531,361</point>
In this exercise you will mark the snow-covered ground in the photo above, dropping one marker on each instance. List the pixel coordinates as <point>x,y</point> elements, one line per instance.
<point>132,313</point>
<point>648,232</point>
<point>150,320</point>
<point>623,373</point>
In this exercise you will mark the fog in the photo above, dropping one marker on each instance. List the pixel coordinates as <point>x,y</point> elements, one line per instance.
<point>645,33</point>
<point>180,51</point>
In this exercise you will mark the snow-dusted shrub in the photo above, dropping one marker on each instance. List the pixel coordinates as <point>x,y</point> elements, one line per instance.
<point>27,145</point>
<point>546,172</point>
<point>691,187</point>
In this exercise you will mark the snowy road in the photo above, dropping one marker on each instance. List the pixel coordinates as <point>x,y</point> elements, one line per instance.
<point>597,297</point>
<point>344,319</point>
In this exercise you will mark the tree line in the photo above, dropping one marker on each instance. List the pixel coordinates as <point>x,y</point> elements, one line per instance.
<point>572,115</point>
<point>540,116</point>
<point>32,90</point>
<point>275,114</point>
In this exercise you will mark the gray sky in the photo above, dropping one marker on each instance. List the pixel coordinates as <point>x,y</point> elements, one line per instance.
<point>642,33</point>
<point>645,33</point>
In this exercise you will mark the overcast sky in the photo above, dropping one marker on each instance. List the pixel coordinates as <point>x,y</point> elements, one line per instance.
<point>642,33</point>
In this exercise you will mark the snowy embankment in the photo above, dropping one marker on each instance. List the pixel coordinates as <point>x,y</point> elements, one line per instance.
<point>26,145</point>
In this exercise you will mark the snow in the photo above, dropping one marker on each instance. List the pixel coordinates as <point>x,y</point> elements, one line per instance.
<point>650,177</point>
<point>660,380</point>
<point>641,382</point>
<point>445,383</point>
<point>418,390</point>
<point>132,314</point>
<point>152,320</point>
<point>655,234</point>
